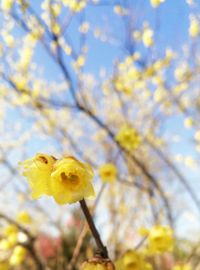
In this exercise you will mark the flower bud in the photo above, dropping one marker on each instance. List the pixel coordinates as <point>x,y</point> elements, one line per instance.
<point>98,263</point>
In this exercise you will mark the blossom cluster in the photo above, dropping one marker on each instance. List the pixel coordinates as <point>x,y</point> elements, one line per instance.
<point>67,180</point>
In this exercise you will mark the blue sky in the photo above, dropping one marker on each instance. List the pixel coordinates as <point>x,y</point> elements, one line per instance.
<point>172,17</point>
<point>173,32</point>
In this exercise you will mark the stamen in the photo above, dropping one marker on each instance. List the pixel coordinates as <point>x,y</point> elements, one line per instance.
<point>43,159</point>
<point>63,176</point>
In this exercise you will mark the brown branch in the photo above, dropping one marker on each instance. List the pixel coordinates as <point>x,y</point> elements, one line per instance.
<point>102,249</point>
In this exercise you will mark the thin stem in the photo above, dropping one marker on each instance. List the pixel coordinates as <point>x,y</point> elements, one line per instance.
<point>95,233</point>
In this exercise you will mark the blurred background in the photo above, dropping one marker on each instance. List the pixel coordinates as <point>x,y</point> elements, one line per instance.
<point>114,84</point>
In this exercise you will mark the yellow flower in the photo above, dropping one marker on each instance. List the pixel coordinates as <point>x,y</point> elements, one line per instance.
<point>156,3</point>
<point>24,217</point>
<point>108,172</point>
<point>6,5</point>
<point>188,122</point>
<point>119,264</point>
<point>197,135</point>
<point>132,260</point>
<point>67,180</point>
<point>38,171</point>
<point>128,138</point>
<point>160,94</point>
<point>97,264</point>
<point>92,266</point>
<point>9,230</point>
<point>183,72</point>
<point>160,239</point>
<point>143,231</point>
<point>10,233</point>
<point>194,28</point>
<point>79,63</point>
<point>55,9</point>
<point>190,162</point>
<point>75,5</point>
<point>147,37</point>
<point>12,239</point>
<point>4,265</point>
<point>182,267</point>
<point>5,244</point>
<point>137,35</point>
<point>8,38</point>
<point>119,10</point>
<point>84,27</point>
<point>56,28</point>
<point>71,181</point>
<point>18,255</point>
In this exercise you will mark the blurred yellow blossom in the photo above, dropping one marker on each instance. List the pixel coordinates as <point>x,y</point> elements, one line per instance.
<point>79,63</point>
<point>10,237</point>
<point>55,27</point>
<point>190,162</point>
<point>160,94</point>
<point>119,10</point>
<point>179,88</point>
<point>93,266</point>
<point>128,76</point>
<point>194,28</point>
<point>182,267</point>
<point>66,47</point>
<point>10,229</point>
<point>160,239</point>
<point>188,122</point>
<point>156,3</point>
<point>75,5</point>
<point>8,38</point>
<point>5,244</point>
<point>108,172</point>
<point>17,256</point>
<point>4,265</point>
<point>197,135</point>
<point>143,231</point>
<point>183,72</point>
<point>55,9</point>
<point>147,37</point>
<point>198,147</point>
<point>128,138</point>
<point>6,5</point>
<point>26,52</point>
<point>97,264</point>
<point>24,217</point>
<point>137,35</point>
<point>132,260</point>
<point>20,82</point>
<point>84,27</point>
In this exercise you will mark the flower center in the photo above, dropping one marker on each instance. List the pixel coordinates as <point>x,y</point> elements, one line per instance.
<point>132,266</point>
<point>108,173</point>
<point>127,137</point>
<point>71,178</point>
<point>42,159</point>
